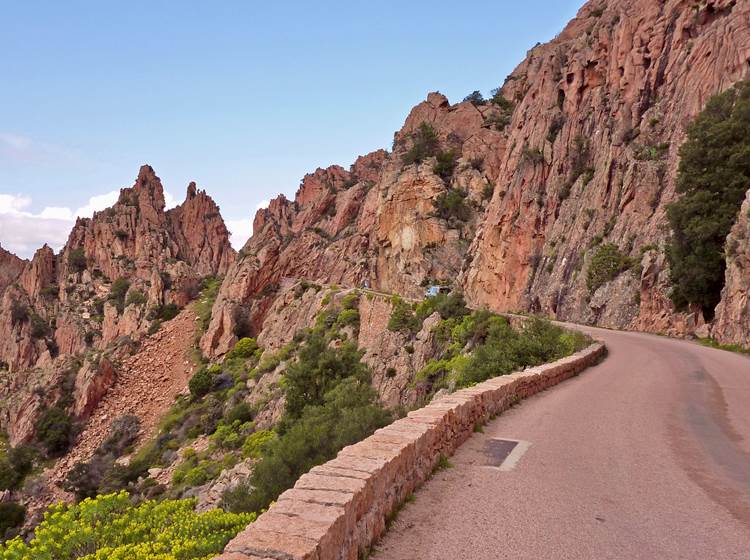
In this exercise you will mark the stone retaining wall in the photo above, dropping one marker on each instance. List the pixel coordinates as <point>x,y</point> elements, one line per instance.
<point>339,509</point>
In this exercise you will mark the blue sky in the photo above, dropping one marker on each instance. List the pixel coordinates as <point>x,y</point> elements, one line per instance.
<point>242,97</point>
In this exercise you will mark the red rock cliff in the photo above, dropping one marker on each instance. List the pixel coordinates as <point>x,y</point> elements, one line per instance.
<point>583,151</point>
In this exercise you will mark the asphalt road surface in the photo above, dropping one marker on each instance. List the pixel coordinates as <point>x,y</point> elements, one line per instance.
<point>646,455</point>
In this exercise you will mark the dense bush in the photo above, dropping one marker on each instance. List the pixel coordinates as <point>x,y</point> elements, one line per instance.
<point>39,327</point>
<point>117,293</point>
<point>15,464</point>
<point>317,370</point>
<point>240,412</point>
<point>445,164</point>
<point>111,527</point>
<point>136,297</point>
<point>475,98</point>
<point>11,518</point>
<point>77,260</point>
<point>256,443</point>
<point>424,144</point>
<point>201,383</point>
<point>501,118</point>
<point>713,176</point>
<point>452,204</point>
<point>348,413</point>
<point>19,312</point>
<point>606,264</point>
<point>402,317</point>
<point>244,348</point>
<point>54,430</point>
<point>448,305</point>
<point>494,348</point>
<point>165,312</point>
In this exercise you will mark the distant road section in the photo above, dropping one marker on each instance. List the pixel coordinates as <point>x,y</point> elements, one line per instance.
<point>646,455</point>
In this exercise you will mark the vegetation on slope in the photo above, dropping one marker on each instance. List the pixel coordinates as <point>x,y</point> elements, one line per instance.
<point>112,527</point>
<point>713,177</point>
<point>475,346</point>
<point>329,403</point>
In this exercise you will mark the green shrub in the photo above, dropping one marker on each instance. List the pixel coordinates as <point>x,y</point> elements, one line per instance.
<point>606,264</point>
<point>39,327</point>
<point>424,144</point>
<point>111,527</point>
<point>503,114</point>
<point>402,318</point>
<point>241,412</point>
<point>475,98</point>
<point>452,204</point>
<point>243,349</point>
<point>117,293</point>
<point>229,436</point>
<point>15,464</point>
<point>445,164</point>
<point>51,291</point>
<point>348,413</point>
<point>347,317</point>
<point>54,430</point>
<point>165,312</point>
<point>201,383</point>
<point>11,518</point>
<point>495,348</point>
<point>713,176</point>
<point>256,443</point>
<point>316,371</point>
<point>77,260</point>
<point>136,297</point>
<point>19,312</point>
<point>448,305</point>
<point>350,301</point>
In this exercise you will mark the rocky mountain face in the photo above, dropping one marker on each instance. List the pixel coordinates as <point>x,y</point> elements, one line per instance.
<point>513,199</point>
<point>733,313</point>
<point>120,273</point>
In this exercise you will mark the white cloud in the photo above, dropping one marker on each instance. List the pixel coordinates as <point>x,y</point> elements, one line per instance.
<point>169,200</point>
<point>10,203</point>
<point>240,231</point>
<point>23,232</point>
<point>96,203</point>
<point>56,213</point>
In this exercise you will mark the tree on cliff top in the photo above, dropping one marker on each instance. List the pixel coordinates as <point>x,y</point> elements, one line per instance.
<point>713,176</point>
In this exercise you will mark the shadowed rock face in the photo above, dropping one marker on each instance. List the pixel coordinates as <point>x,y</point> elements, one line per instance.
<point>624,78</point>
<point>10,268</point>
<point>589,156</point>
<point>732,325</point>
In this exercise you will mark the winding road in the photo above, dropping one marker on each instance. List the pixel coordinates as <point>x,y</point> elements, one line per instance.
<point>646,455</point>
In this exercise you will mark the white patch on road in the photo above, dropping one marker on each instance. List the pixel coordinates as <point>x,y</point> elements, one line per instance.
<point>514,456</point>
